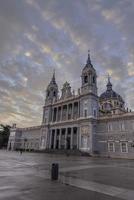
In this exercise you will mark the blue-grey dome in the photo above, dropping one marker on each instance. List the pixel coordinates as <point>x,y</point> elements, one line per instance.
<point>110,93</point>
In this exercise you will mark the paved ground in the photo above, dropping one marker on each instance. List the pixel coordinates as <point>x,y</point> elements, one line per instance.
<point>27,177</point>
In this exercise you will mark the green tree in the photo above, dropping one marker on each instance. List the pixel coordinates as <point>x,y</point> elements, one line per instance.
<point>4,135</point>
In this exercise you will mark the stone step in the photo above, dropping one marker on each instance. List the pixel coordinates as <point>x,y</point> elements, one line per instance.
<point>67,152</point>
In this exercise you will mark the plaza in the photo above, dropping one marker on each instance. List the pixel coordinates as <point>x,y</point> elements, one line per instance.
<point>27,176</point>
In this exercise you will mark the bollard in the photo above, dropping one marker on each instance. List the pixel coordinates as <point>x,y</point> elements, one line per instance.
<point>54,171</point>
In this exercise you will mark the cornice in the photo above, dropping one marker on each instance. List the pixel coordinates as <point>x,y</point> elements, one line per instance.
<point>117,117</point>
<point>69,100</point>
<point>75,121</point>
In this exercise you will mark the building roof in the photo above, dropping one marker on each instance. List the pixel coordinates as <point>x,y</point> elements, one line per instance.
<point>110,93</point>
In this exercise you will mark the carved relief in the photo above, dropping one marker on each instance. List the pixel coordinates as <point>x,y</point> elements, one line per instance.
<point>85,130</point>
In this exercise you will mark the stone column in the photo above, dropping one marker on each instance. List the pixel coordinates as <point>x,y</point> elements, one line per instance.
<point>61,113</point>
<point>57,114</point>
<point>91,141</point>
<point>80,138</point>
<point>59,138</point>
<point>67,111</point>
<point>77,138</point>
<point>47,139</point>
<point>52,114</point>
<point>50,139</point>
<point>78,109</point>
<point>77,113</point>
<point>43,119</point>
<point>55,138</point>
<point>71,143</point>
<point>66,138</point>
<point>72,110</point>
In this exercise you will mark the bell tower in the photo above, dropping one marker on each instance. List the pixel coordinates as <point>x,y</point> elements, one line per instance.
<point>89,78</point>
<point>51,97</point>
<point>89,97</point>
<point>89,106</point>
<point>52,91</point>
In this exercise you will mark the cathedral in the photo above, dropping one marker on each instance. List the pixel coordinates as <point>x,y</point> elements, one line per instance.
<point>83,122</point>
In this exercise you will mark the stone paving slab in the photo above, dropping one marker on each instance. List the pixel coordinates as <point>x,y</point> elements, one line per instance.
<point>27,177</point>
<point>56,191</point>
<point>114,176</point>
<point>97,187</point>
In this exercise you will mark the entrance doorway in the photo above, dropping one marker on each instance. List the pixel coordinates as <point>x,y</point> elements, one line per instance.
<point>68,143</point>
<point>57,144</point>
<point>52,139</point>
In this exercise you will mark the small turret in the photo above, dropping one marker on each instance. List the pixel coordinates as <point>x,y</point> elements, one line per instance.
<point>66,91</point>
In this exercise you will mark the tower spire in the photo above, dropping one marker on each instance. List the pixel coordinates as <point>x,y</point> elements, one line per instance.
<point>54,72</point>
<point>109,84</point>
<point>53,77</point>
<point>88,59</point>
<point>109,77</point>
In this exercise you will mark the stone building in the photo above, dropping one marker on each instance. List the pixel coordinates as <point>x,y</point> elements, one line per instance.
<point>98,125</point>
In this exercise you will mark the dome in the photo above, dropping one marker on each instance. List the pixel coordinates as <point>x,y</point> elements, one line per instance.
<point>110,93</point>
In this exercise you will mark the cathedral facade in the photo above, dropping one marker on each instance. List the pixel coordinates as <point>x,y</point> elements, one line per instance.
<point>97,125</point>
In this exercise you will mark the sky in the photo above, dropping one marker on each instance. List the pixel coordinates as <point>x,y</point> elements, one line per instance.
<point>38,36</point>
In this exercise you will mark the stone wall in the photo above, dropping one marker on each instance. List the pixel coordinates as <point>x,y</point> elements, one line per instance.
<point>115,136</point>
<point>25,138</point>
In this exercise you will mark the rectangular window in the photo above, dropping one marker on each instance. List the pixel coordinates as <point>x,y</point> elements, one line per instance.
<point>124,147</point>
<point>122,126</point>
<point>85,113</point>
<point>110,128</point>
<point>111,147</point>
<point>45,120</point>
<point>95,113</point>
<point>85,103</point>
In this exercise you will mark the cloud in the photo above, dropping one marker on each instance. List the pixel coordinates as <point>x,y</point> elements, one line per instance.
<point>39,36</point>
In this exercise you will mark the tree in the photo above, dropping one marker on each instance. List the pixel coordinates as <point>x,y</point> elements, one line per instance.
<point>4,135</point>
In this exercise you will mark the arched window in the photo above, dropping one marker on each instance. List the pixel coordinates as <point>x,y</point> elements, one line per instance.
<point>54,93</point>
<point>93,79</point>
<point>85,79</point>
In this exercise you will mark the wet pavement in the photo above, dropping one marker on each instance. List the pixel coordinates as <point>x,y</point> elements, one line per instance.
<point>27,177</point>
